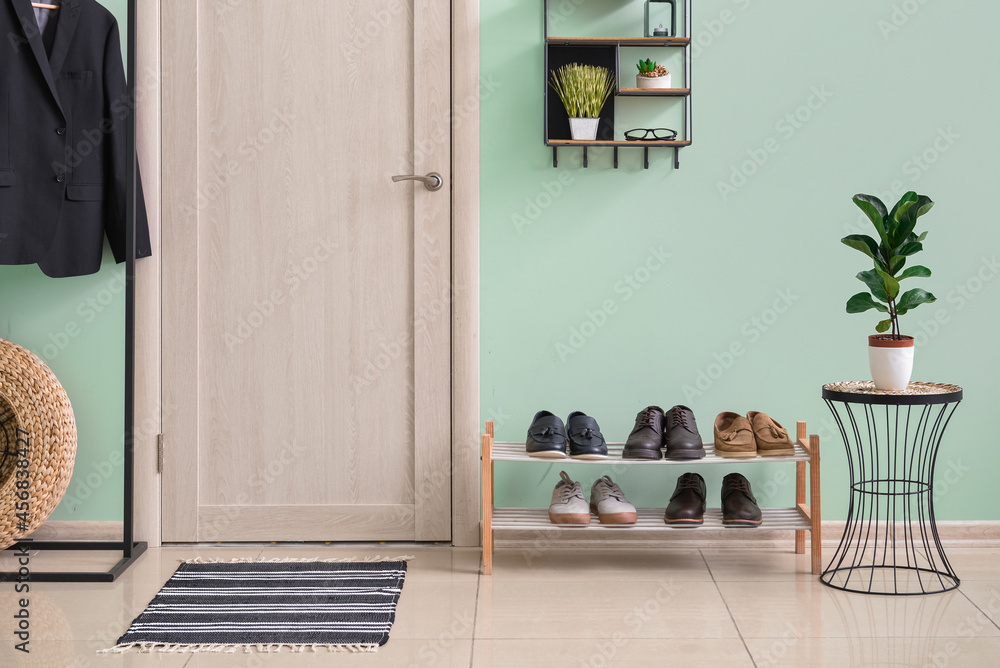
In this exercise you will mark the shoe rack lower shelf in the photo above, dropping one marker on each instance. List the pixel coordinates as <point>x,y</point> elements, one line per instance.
<point>522,522</point>
<point>650,519</point>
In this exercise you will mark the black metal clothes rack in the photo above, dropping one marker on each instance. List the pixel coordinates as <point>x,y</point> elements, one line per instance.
<point>890,544</point>
<point>130,548</point>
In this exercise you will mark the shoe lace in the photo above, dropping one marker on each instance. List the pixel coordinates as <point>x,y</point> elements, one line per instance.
<point>568,488</point>
<point>679,419</point>
<point>738,485</point>
<point>613,490</point>
<point>648,418</point>
<point>688,482</point>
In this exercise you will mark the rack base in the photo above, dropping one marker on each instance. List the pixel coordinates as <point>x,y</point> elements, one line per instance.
<point>129,554</point>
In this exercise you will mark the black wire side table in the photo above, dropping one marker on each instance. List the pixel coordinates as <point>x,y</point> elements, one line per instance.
<point>891,544</point>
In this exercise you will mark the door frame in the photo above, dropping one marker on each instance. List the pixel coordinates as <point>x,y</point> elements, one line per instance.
<point>166,49</point>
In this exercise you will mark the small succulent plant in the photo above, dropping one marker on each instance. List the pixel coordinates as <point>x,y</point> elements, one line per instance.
<point>649,68</point>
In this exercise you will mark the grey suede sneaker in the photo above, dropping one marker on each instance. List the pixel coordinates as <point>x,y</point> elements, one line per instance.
<point>608,500</point>
<point>568,505</point>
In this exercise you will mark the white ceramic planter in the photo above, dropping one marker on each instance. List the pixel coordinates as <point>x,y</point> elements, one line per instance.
<point>652,82</point>
<point>584,128</point>
<point>891,362</point>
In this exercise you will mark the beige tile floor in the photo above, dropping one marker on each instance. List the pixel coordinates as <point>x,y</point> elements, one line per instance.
<point>585,609</point>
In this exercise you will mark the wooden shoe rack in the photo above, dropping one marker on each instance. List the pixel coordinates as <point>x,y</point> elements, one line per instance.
<point>535,521</point>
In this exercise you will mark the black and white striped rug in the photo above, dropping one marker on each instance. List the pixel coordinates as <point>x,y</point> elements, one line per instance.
<point>270,606</point>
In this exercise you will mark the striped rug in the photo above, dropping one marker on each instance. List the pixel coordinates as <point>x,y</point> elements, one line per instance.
<point>269,606</point>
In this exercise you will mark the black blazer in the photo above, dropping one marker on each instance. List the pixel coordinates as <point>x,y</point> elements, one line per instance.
<point>62,141</point>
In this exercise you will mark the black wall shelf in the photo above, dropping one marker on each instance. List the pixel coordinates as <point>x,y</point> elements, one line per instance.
<point>606,52</point>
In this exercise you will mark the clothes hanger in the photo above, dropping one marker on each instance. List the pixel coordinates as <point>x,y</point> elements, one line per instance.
<point>39,5</point>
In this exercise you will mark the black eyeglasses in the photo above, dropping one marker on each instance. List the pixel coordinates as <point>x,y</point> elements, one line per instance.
<point>651,134</point>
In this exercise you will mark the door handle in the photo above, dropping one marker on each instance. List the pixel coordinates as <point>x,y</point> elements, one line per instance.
<point>432,181</point>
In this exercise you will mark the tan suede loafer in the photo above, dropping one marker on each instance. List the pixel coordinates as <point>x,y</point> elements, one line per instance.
<point>734,436</point>
<point>772,439</point>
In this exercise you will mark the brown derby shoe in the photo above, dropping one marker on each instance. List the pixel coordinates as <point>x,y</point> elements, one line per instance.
<point>646,438</point>
<point>681,439</point>
<point>739,507</point>
<point>687,505</point>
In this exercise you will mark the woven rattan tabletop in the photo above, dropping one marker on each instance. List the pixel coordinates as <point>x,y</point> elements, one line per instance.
<point>863,391</point>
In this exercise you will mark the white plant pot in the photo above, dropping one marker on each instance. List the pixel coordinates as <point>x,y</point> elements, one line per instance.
<point>584,128</point>
<point>652,82</point>
<point>891,363</point>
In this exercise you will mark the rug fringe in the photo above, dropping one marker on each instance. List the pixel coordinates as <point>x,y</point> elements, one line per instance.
<point>148,648</point>
<point>333,560</point>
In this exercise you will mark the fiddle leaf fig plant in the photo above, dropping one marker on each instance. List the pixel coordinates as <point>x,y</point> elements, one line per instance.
<point>896,242</point>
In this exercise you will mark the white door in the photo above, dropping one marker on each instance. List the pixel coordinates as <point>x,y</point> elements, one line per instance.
<point>306,295</point>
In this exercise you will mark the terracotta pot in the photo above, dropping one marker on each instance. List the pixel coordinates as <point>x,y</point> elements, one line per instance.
<point>890,361</point>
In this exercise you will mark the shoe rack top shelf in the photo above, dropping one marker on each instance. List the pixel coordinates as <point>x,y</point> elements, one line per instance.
<point>514,452</point>
<point>774,519</point>
<point>620,41</point>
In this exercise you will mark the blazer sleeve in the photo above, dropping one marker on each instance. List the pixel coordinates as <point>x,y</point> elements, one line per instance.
<point>118,108</point>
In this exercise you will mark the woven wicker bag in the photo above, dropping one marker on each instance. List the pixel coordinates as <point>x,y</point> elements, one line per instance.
<point>34,410</point>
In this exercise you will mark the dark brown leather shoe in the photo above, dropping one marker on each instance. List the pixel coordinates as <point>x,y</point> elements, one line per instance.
<point>687,505</point>
<point>646,438</point>
<point>680,435</point>
<point>739,507</point>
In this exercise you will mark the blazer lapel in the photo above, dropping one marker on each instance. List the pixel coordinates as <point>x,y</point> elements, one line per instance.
<point>69,16</point>
<point>26,15</point>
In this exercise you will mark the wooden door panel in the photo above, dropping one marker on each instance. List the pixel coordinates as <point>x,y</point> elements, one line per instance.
<point>322,372</point>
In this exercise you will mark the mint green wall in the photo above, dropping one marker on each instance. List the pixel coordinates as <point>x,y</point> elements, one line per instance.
<point>77,327</point>
<point>902,98</point>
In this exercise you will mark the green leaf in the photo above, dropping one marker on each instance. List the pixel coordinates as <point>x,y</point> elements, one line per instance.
<point>896,263</point>
<point>863,243</point>
<point>913,298</point>
<point>921,237</point>
<point>908,219</point>
<point>875,210</point>
<point>891,284</point>
<point>883,326</point>
<point>862,302</point>
<point>916,271</point>
<point>904,203</point>
<point>874,281</point>
<point>910,248</point>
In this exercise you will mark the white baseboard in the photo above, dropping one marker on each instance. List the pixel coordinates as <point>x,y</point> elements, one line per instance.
<point>954,534</point>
